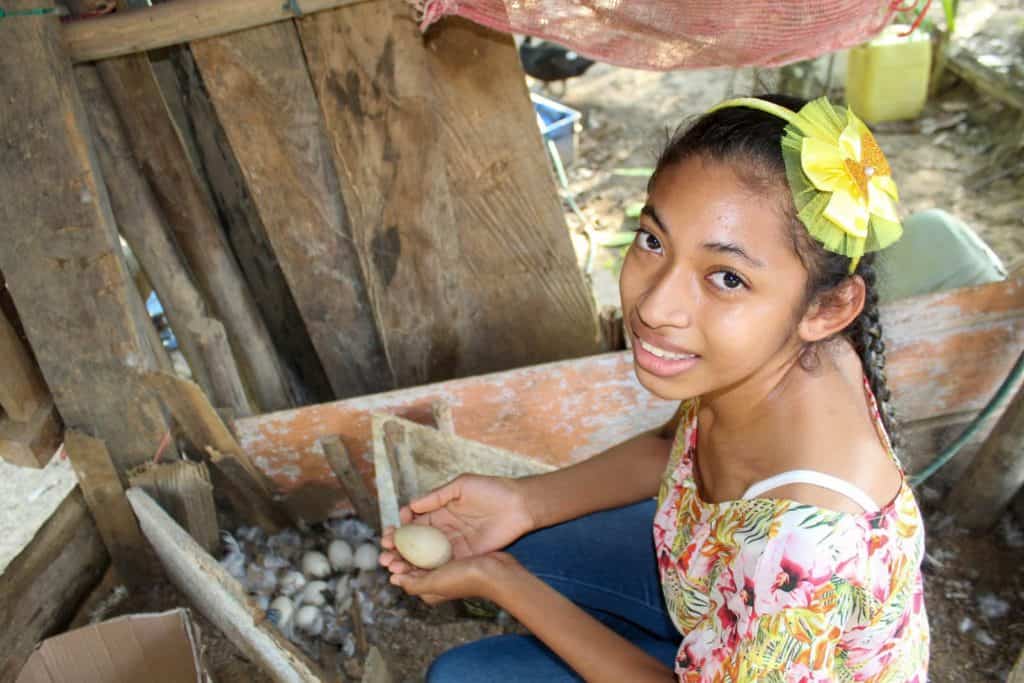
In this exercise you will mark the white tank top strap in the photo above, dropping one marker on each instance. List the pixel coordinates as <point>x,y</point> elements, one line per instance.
<point>815,478</point>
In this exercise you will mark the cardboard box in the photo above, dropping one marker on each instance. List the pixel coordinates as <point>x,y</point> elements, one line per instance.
<point>160,648</point>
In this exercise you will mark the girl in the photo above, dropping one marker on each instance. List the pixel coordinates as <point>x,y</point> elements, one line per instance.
<point>786,542</point>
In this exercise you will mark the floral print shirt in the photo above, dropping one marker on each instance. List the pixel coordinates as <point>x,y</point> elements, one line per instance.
<point>779,591</point>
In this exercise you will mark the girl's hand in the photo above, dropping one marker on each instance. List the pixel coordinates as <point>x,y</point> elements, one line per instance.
<point>479,576</point>
<point>478,515</point>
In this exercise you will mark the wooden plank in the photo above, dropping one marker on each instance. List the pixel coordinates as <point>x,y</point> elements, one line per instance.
<point>217,596</point>
<point>184,490</point>
<point>1017,675</point>
<point>41,590</point>
<point>201,128</point>
<point>468,272</point>
<point>35,441</point>
<point>143,224</point>
<point>438,457</point>
<point>259,84</point>
<point>561,413</point>
<point>61,256</point>
<point>104,494</point>
<point>368,69</point>
<point>995,476</point>
<point>521,297</point>
<point>127,32</point>
<point>225,383</point>
<point>242,482</point>
<point>158,149</point>
<point>23,390</point>
<point>351,480</point>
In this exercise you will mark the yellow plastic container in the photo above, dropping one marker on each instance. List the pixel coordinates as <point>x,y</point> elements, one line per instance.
<point>887,79</point>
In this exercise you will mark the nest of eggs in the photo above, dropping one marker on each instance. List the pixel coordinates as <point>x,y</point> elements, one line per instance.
<point>312,583</point>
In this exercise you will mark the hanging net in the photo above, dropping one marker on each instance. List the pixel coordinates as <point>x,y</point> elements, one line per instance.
<point>680,34</point>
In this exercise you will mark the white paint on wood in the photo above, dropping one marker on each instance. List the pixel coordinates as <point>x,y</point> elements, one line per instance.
<point>30,497</point>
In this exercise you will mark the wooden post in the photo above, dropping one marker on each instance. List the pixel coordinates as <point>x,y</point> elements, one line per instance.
<point>104,495</point>
<point>61,256</point>
<point>351,481</point>
<point>158,149</point>
<point>245,485</point>
<point>995,475</point>
<point>226,385</point>
<point>141,220</point>
<point>31,443</point>
<point>260,86</point>
<point>184,490</point>
<point>22,391</point>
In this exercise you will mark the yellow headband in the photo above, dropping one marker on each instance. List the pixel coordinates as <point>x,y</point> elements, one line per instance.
<point>841,182</point>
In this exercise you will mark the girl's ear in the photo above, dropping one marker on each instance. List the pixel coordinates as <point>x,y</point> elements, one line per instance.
<point>831,312</point>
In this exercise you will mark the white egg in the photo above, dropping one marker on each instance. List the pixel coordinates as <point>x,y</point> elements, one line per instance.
<point>313,593</point>
<point>309,620</point>
<point>290,582</point>
<point>340,555</point>
<point>366,557</point>
<point>315,565</point>
<point>283,608</point>
<point>423,546</point>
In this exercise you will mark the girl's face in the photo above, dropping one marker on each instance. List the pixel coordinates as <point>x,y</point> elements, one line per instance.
<point>712,290</point>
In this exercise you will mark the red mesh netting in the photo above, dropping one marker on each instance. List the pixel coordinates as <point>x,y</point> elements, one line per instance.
<point>678,34</point>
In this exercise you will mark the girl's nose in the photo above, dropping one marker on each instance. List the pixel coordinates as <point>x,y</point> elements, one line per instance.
<point>668,302</point>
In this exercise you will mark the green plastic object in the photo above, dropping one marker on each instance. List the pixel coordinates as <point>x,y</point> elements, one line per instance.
<point>887,79</point>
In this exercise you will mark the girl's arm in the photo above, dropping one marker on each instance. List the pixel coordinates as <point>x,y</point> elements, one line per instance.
<point>626,473</point>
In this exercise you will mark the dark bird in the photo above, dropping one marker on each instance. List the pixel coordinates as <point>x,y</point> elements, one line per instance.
<point>551,63</point>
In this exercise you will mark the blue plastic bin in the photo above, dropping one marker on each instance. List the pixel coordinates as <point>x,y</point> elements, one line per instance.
<point>557,123</point>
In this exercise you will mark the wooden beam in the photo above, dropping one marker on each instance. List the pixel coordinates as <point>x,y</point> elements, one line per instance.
<point>225,383</point>
<point>127,32</point>
<point>217,596</point>
<point>158,148</point>
<point>22,390</point>
<point>449,193</point>
<point>104,494</point>
<point>351,480</point>
<point>246,487</point>
<point>260,86</point>
<point>41,590</point>
<point>61,258</point>
<point>184,490</point>
<point>995,475</point>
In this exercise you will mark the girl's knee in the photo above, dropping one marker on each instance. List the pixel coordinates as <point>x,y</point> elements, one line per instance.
<point>458,665</point>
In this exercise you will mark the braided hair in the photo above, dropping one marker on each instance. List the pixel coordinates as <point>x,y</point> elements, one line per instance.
<point>750,140</point>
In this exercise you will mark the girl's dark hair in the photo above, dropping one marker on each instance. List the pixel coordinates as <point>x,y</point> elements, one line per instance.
<point>750,141</point>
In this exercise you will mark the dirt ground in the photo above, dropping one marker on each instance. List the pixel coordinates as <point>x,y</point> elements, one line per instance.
<point>945,159</point>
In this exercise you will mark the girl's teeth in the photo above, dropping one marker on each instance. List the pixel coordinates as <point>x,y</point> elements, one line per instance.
<point>661,353</point>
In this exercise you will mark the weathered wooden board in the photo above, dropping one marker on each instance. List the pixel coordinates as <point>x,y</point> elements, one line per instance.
<point>22,390</point>
<point>215,594</point>
<point>449,194</point>
<point>61,256</point>
<point>947,354</point>
<point>184,490</point>
<point>259,84</point>
<point>159,150</point>
<point>40,591</point>
<point>132,31</point>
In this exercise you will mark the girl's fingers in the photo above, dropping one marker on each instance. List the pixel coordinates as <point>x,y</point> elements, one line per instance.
<point>435,500</point>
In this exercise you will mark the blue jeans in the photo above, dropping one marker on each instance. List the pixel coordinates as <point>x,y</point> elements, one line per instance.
<point>603,562</point>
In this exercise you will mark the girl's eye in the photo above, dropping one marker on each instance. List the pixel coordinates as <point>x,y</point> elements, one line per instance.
<point>728,280</point>
<point>647,241</point>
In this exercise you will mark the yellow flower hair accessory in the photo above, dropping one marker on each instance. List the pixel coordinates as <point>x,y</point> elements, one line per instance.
<point>841,182</point>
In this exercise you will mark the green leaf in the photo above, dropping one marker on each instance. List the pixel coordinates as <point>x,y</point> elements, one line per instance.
<point>634,209</point>
<point>634,172</point>
<point>622,238</point>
